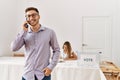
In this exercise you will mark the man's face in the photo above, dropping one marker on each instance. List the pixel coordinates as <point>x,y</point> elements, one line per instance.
<point>32,17</point>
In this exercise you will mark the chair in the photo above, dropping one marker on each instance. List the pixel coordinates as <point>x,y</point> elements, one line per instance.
<point>118,76</point>
<point>110,70</point>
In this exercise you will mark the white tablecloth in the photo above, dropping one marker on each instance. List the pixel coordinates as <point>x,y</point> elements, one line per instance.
<point>11,68</point>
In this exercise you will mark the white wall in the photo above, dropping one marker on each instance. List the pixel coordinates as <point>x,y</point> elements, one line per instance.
<point>7,25</point>
<point>65,17</point>
<point>116,34</point>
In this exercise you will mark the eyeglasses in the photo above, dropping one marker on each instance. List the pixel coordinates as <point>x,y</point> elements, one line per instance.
<point>32,15</point>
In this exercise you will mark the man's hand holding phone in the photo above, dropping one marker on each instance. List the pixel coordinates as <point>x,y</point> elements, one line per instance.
<point>25,26</point>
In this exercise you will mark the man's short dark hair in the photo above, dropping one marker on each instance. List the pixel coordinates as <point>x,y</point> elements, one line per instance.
<point>31,8</point>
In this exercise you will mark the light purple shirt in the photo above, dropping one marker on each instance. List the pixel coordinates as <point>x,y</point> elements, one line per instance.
<point>37,51</point>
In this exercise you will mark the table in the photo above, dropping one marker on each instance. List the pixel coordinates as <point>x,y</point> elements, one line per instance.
<point>69,70</point>
<point>11,68</point>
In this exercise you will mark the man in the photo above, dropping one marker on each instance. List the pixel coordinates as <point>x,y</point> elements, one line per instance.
<point>37,41</point>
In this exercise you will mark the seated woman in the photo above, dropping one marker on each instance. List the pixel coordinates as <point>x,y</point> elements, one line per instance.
<point>68,54</point>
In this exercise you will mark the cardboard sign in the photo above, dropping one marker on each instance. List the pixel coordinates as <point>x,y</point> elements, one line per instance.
<point>89,59</point>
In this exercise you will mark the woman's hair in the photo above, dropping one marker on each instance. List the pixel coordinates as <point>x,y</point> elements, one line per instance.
<point>31,8</point>
<point>69,48</point>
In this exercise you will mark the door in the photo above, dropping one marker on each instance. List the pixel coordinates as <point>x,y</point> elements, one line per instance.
<point>97,35</point>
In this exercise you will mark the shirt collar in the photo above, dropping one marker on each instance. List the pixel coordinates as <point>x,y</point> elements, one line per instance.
<point>42,28</point>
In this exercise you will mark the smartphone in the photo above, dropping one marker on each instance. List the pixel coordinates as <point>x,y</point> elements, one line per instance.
<point>26,25</point>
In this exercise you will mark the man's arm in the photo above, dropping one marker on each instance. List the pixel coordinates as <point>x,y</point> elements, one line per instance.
<point>18,42</point>
<point>56,51</point>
